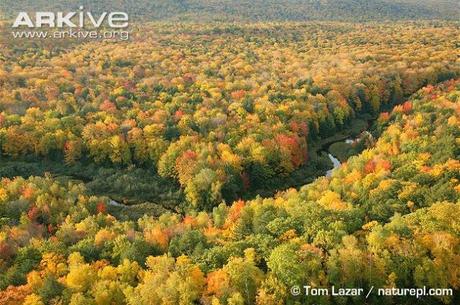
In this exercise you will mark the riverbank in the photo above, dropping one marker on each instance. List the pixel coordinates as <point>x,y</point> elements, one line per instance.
<point>319,162</point>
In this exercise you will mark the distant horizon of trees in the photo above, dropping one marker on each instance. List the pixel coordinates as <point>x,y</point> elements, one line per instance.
<point>252,10</point>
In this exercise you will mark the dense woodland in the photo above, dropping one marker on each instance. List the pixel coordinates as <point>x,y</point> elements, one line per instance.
<point>250,10</point>
<point>219,111</point>
<point>388,217</point>
<point>210,138</point>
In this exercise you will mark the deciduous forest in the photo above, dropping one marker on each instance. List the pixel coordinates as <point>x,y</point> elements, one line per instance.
<point>191,164</point>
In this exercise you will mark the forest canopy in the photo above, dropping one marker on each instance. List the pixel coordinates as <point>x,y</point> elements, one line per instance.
<point>222,111</point>
<point>230,151</point>
<point>387,218</point>
<point>252,10</point>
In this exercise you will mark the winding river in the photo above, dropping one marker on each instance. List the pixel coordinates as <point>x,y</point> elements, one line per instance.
<point>335,162</point>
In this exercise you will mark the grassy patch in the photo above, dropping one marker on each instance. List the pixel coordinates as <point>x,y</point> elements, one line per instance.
<point>342,150</point>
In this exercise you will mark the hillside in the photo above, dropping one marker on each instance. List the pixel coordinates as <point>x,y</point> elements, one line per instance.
<point>386,218</point>
<point>253,10</point>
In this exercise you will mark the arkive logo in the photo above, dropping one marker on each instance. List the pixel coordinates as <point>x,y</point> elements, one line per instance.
<point>79,19</point>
